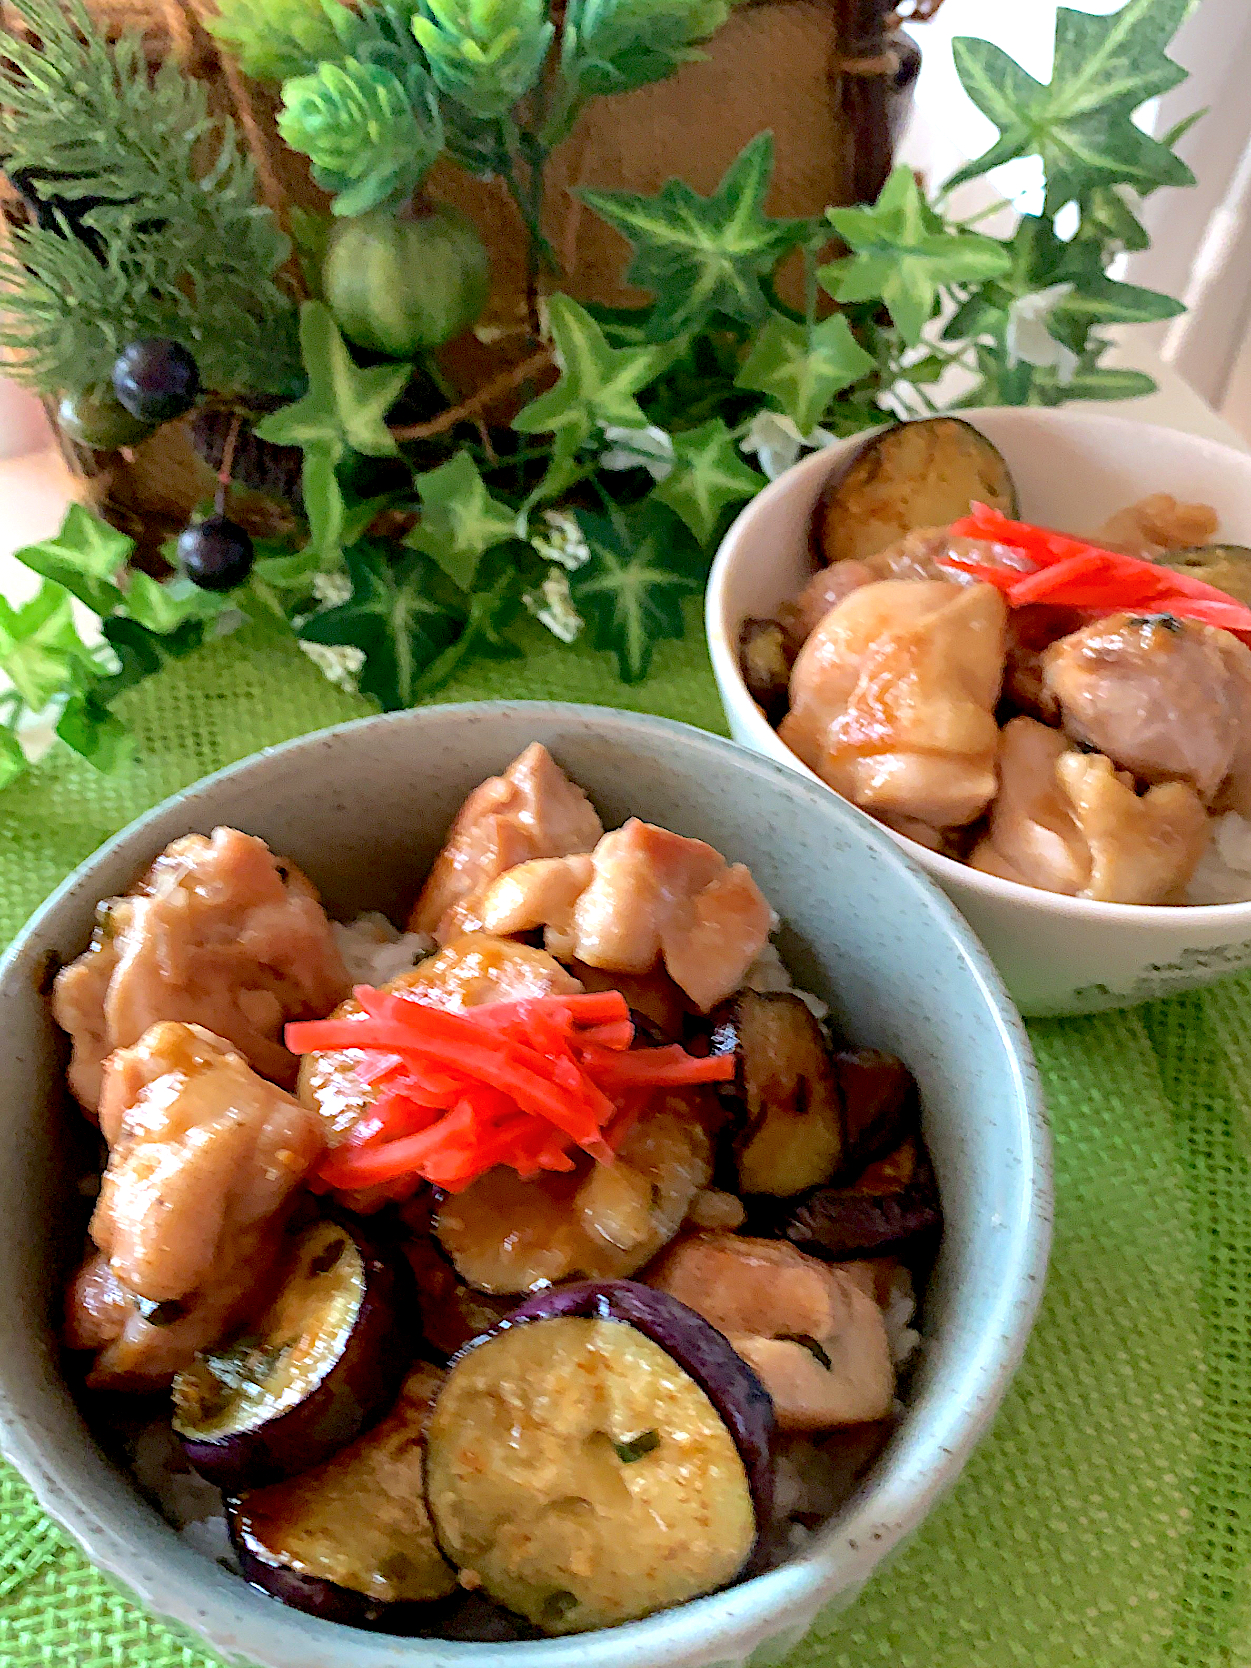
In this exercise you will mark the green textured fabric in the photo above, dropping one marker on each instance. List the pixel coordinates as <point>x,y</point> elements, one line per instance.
<point>1107,1519</point>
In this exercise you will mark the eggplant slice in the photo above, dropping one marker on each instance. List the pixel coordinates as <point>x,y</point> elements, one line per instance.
<point>766,665</point>
<point>452,1314</point>
<point>350,1541</point>
<point>892,1208</point>
<point>507,1236</point>
<point>326,1359</point>
<point>583,1475</point>
<point>785,1090</point>
<point>1227,566</point>
<point>879,1102</point>
<point>922,474</point>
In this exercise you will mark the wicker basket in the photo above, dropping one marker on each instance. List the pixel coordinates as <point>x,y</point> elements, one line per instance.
<point>831,78</point>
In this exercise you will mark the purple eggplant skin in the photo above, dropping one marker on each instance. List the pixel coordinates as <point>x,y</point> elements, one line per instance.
<point>359,1388</point>
<point>741,1400</point>
<point>309,1593</point>
<point>436,1619</point>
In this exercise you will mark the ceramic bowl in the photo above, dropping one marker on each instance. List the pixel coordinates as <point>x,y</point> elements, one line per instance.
<point>1072,470</point>
<point>362,809</point>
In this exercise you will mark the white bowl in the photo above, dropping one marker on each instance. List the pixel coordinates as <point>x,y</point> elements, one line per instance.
<point>362,809</point>
<point>1072,470</point>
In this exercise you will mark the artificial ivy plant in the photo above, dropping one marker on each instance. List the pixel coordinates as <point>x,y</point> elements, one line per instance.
<point>639,433</point>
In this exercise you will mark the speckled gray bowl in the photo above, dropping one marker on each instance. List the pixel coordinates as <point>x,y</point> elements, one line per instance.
<point>362,808</point>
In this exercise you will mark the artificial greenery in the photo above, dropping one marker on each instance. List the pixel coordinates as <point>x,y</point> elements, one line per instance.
<point>370,136</point>
<point>598,509</point>
<point>155,228</point>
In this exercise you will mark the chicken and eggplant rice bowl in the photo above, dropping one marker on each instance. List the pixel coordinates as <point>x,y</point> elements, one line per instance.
<point>1072,713</point>
<point>525,1268</point>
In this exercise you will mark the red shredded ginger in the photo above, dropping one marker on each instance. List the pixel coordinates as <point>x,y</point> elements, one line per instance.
<point>516,1083</point>
<point>1073,573</point>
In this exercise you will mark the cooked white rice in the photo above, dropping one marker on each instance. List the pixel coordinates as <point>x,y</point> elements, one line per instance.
<point>183,1498</point>
<point>374,951</point>
<point>770,973</point>
<point>901,1306</point>
<point>1224,871</point>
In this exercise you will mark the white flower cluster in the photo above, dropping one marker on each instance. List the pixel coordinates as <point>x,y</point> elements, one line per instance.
<point>776,441</point>
<point>339,662</point>
<point>562,543</point>
<point>1028,339</point>
<point>561,540</point>
<point>552,606</point>
<point>650,448</point>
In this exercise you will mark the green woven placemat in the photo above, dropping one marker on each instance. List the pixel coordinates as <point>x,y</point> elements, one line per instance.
<point>1107,1519</point>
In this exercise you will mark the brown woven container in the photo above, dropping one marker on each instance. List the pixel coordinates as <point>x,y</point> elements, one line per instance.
<point>830,78</point>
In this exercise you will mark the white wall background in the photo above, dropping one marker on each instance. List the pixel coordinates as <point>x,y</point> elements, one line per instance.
<point>1201,238</point>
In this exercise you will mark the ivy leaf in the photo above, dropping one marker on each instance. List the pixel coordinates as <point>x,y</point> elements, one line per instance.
<point>40,649</point>
<point>85,557</point>
<point>1108,219</point>
<point>703,254</point>
<point>88,726</point>
<point>323,501</point>
<point>1080,123</point>
<point>163,608</point>
<point>597,383</point>
<point>902,253</point>
<point>643,562</point>
<point>708,475</point>
<point>1040,261</point>
<point>1094,382</point>
<point>460,520</point>
<point>12,760</point>
<point>397,616</point>
<point>1096,299</point>
<point>491,609</point>
<point>801,370</point>
<point>142,652</point>
<point>344,406</point>
<point>371,136</point>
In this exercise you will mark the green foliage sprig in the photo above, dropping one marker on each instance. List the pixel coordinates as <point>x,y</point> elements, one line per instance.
<point>598,511</point>
<point>370,136</point>
<point>275,39</point>
<point>170,238</point>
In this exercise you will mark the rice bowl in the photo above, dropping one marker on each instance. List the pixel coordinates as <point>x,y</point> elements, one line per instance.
<point>1058,954</point>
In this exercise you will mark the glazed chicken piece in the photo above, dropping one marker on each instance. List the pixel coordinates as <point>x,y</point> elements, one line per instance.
<point>1161,697</point>
<point>642,897</point>
<point>78,1002</point>
<point>135,1353</point>
<point>219,933</point>
<point>893,697</point>
<point>1068,822</point>
<point>812,1332</point>
<point>828,586</point>
<point>201,1150</point>
<point>1157,524</point>
<point>1142,850</point>
<point>915,556</point>
<point>533,810</point>
<point>204,1157</point>
<point>1033,836</point>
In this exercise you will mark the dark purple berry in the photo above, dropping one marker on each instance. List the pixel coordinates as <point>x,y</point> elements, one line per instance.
<point>216,553</point>
<point>156,379</point>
